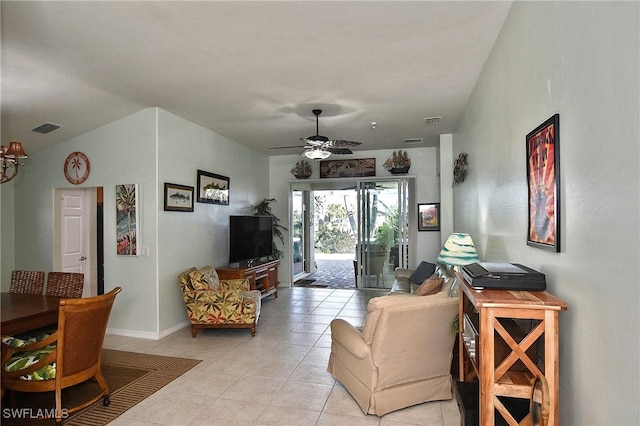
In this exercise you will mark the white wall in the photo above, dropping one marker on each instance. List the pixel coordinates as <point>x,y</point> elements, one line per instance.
<point>7,234</point>
<point>199,238</point>
<point>122,152</point>
<point>581,60</point>
<point>147,148</point>
<point>427,182</point>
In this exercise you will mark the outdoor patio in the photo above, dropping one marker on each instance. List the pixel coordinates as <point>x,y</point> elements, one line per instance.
<point>336,270</point>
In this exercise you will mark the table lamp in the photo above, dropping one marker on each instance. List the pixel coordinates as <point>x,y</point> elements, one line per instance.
<point>458,250</point>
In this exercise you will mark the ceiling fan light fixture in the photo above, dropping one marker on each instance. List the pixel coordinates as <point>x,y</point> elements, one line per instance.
<point>319,147</point>
<point>316,154</point>
<point>317,138</point>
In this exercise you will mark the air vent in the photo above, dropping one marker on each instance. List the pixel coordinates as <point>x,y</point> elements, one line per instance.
<point>432,120</point>
<point>46,128</point>
<point>413,141</point>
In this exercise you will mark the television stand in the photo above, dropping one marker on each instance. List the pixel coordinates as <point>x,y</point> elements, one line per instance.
<point>262,276</point>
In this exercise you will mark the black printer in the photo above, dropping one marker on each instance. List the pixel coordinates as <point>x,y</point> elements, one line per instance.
<point>503,276</point>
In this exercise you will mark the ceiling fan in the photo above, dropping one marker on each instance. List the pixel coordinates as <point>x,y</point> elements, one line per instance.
<point>318,147</point>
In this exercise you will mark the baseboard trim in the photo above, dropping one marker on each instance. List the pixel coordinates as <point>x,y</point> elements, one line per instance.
<point>147,334</point>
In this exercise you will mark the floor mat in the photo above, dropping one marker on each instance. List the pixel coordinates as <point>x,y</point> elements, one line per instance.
<point>308,283</point>
<point>131,377</point>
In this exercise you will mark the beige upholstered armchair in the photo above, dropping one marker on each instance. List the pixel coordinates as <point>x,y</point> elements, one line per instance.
<point>402,356</point>
<point>214,303</point>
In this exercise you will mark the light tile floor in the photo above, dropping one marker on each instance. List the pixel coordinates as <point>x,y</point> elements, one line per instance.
<point>278,377</point>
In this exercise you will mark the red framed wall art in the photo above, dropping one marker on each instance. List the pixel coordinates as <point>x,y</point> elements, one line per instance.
<point>543,177</point>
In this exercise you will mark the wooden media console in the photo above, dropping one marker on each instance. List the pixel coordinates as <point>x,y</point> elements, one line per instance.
<point>262,276</point>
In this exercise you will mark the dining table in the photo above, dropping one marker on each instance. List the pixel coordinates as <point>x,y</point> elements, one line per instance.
<point>26,312</point>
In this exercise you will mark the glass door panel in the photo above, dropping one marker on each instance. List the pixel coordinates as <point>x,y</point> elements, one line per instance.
<point>299,232</point>
<point>382,231</point>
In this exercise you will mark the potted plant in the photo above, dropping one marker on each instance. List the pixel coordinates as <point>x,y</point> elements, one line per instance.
<point>263,208</point>
<point>386,235</point>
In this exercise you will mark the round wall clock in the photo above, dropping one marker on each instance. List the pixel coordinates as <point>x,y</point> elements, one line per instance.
<point>76,168</point>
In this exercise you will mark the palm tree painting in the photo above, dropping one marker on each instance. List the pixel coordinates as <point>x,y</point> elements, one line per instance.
<point>126,219</point>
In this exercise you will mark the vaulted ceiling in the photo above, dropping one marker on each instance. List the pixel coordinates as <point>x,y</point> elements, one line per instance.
<point>251,71</point>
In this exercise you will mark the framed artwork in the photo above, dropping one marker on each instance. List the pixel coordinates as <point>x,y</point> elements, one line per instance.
<point>355,167</point>
<point>429,217</point>
<point>543,176</point>
<point>178,198</point>
<point>127,220</point>
<point>213,188</point>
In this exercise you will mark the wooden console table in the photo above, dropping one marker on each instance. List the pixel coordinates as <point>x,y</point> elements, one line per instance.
<point>477,346</point>
<point>262,276</point>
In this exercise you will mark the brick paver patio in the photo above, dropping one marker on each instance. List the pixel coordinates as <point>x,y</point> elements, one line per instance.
<point>337,271</point>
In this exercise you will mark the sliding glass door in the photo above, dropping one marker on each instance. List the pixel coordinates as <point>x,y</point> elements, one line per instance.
<point>382,231</point>
<point>362,221</point>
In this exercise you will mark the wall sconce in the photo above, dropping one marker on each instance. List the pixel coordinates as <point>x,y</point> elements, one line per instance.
<point>460,169</point>
<point>11,155</point>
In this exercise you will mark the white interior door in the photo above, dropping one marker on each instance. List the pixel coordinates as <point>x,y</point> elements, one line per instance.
<point>75,228</point>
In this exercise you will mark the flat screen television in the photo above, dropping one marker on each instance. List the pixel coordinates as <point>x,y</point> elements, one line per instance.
<point>250,237</point>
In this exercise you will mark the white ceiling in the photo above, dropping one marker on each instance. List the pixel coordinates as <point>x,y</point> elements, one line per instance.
<point>251,71</point>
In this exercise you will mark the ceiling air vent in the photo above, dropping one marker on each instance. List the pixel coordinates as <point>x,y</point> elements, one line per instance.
<point>413,141</point>
<point>432,120</point>
<point>46,128</point>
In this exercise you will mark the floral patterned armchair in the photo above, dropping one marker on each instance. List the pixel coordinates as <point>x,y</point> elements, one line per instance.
<point>212,303</point>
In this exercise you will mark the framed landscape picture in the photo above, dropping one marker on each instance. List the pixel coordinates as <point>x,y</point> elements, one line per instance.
<point>213,188</point>
<point>543,176</point>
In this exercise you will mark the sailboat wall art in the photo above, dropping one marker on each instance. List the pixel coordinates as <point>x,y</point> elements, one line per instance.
<point>398,164</point>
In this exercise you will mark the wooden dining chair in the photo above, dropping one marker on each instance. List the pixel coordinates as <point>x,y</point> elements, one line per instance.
<point>71,355</point>
<point>65,284</point>
<point>27,282</point>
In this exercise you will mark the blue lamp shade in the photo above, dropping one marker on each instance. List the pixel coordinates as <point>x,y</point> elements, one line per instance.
<point>458,250</point>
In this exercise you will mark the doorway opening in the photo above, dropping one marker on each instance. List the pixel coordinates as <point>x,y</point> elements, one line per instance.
<point>349,233</point>
<point>334,238</point>
<point>79,235</point>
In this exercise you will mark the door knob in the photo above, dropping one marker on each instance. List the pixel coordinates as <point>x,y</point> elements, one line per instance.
<point>83,258</point>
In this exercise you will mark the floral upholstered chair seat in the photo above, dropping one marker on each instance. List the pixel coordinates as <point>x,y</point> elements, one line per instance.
<point>19,360</point>
<point>212,303</point>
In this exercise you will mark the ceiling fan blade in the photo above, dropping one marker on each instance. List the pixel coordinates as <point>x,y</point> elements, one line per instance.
<point>286,147</point>
<point>338,150</point>
<point>342,143</point>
